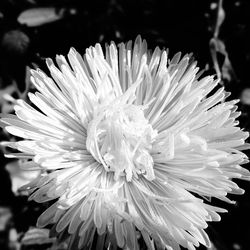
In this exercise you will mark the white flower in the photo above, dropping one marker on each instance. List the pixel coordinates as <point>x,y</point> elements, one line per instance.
<point>129,141</point>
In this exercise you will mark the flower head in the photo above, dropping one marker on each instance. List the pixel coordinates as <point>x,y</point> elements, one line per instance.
<point>129,141</point>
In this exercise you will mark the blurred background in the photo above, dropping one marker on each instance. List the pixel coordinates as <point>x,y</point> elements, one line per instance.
<point>217,32</point>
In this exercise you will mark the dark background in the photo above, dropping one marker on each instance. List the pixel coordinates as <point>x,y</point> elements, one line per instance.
<point>217,32</point>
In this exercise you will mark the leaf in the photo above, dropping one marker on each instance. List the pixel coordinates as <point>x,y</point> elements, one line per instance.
<point>217,48</point>
<point>226,71</point>
<point>5,216</point>
<point>37,236</point>
<point>39,16</point>
<point>245,96</point>
<point>6,104</point>
<point>220,18</point>
<point>20,177</point>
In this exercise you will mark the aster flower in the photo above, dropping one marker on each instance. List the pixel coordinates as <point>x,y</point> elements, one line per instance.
<point>129,141</point>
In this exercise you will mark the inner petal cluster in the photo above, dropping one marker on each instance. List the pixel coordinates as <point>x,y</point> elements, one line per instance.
<point>120,138</point>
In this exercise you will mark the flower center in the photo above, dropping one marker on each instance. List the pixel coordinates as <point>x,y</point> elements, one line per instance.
<point>120,138</point>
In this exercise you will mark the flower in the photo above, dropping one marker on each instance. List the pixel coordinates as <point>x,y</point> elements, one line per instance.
<point>129,142</point>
